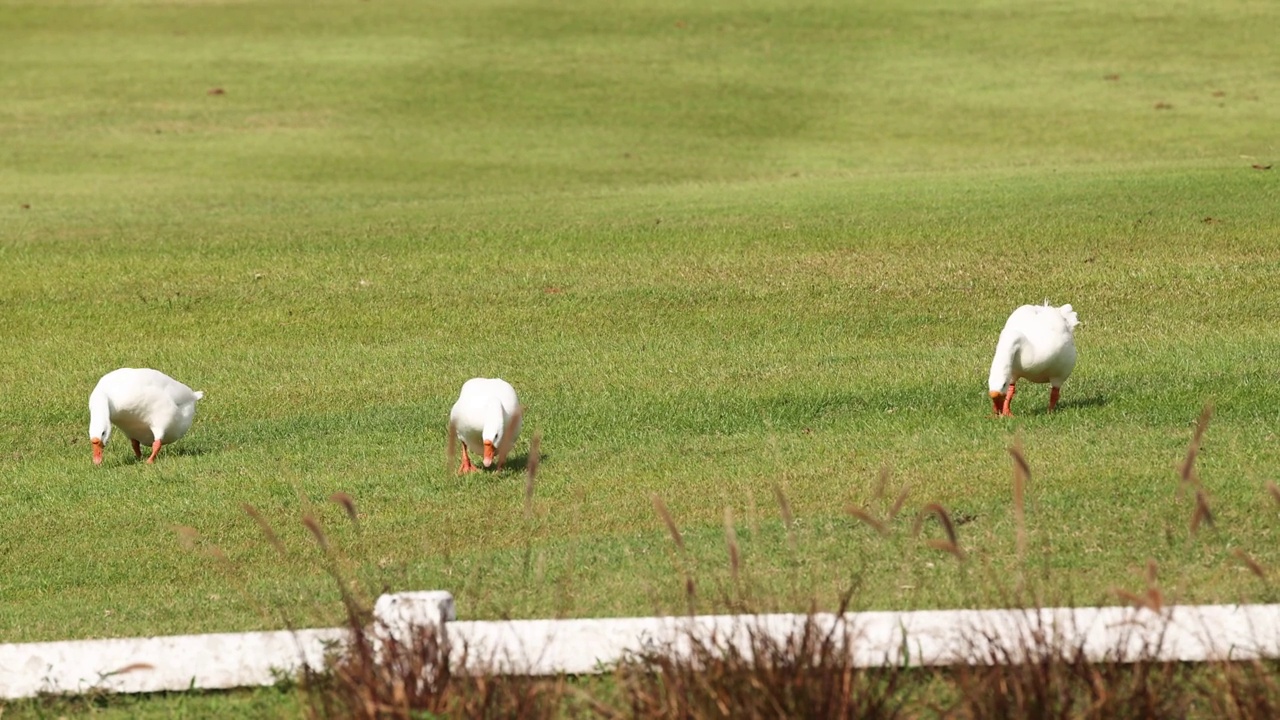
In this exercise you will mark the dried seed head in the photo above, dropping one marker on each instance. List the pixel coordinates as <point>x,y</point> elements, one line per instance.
<point>508,435</point>
<point>348,505</point>
<point>943,517</point>
<point>265,527</point>
<point>731,542</point>
<point>902,500</point>
<point>665,514</point>
<point>1134,599</point>
<point>947,547</point>
<point>316,531</point>
<point>1021,469</point>
<point>187,536</point>
<point>1254,566</point>
<point>1021,478</point>
<point>867,518</point>
<point>784,506</point>
<point>1187,470</point>
<point>451,447</point>
<point>531,473</point>
<point>1202,512</point>
<point>882,482</point>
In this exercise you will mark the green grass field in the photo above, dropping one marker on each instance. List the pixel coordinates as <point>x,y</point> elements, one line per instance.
<point>719,248</point>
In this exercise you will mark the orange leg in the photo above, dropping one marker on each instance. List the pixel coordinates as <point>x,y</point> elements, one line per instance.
<point>466,461</point>
<point>1008,401</point>
<point>1053,399</point>
<point>155,450</point>
<point>137,449</point>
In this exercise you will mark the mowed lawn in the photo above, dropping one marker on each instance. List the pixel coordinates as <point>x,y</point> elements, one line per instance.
<point>726,251</point>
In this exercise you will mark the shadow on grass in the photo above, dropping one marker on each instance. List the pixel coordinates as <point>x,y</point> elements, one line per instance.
<point>520,463</point>
<point>185,450</point>
<point>1086,402</point>
<point>1092,401</point>
<point>515,464</point>
<point>167,451</point>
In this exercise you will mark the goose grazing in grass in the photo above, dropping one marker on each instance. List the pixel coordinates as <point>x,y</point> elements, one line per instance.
<point>487,414</point>
<point>1038,344</point>
<point>147,405</point>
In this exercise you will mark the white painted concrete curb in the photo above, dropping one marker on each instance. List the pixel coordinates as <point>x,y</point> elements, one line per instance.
<point>551,647</point>
<point>182,662</point>
<point>176,662</point>
<point>928,638</point>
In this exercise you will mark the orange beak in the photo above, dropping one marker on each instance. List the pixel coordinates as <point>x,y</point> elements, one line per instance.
<point>97,450</point>
<point>488,453</point>
<point>997,399</point>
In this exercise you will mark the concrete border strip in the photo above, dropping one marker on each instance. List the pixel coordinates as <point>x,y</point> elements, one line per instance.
<point>1188,633</point>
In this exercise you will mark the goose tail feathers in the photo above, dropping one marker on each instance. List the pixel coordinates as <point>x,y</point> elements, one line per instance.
<point>1070,316</point>
<point>200,393</point>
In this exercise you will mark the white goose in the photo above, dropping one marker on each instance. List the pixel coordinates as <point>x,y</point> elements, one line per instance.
<point>486,413</point>
<point>1037,343</point>
<point>147,405</point>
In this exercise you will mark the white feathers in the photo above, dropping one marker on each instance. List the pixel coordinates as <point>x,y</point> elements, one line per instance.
<point>149,407</point>
<point>487,415</point>
<point>1036,344</point>
<point>1069,315</point>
